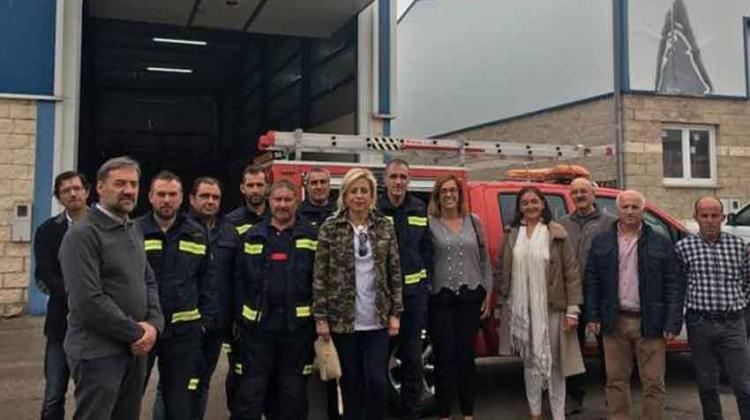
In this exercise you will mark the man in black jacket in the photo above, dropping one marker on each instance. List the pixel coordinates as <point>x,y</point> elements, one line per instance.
<point>177,250</point>
<point>317,206</point>
<point>71,191</point>
<point>115,315</point>
<point>415,248</point>
<point>205,200</point>
<point>275,267</point>
<point>634,296</point>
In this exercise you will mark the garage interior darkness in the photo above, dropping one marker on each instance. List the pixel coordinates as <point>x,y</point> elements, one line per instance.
<point>198,108</point>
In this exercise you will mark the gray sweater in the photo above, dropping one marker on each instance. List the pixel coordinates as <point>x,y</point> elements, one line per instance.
<point>110,287</point>
<point>581,231</point>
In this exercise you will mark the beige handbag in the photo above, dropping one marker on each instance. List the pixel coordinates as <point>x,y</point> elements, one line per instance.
<point>327,360</point>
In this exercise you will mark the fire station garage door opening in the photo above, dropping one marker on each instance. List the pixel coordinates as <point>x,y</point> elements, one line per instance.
<point>189,85</point>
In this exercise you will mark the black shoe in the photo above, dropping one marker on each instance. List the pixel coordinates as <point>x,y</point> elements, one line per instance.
<point>573,406</point>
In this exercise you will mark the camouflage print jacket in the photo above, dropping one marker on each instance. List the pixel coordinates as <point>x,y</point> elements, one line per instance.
<point>334,283</point>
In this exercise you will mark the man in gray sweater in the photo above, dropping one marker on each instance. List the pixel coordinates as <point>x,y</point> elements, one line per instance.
<point>582,225</point>
<point>114,314</point>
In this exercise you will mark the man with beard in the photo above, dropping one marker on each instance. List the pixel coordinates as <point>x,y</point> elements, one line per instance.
<point>205,200</point>
<point>275,269</point>
<point>409,218</point>
<point>114,314</point>
<point>317,207</point>
<point>71,191</point>
<point>582,225</point>
<point>253,188</point>
<point>177,250</point>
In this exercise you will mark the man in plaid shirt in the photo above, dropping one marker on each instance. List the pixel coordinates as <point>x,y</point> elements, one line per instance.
<point>716,266</point>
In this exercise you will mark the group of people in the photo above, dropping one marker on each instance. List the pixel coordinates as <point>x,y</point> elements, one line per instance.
<point>265,280</point>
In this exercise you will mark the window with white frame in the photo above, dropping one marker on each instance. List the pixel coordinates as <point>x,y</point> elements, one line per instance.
<point>689,155</point>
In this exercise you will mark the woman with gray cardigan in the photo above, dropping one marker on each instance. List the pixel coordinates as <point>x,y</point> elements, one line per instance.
<point>462,280</point>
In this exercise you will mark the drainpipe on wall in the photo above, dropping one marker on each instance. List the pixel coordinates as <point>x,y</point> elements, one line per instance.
<point>618,32</point>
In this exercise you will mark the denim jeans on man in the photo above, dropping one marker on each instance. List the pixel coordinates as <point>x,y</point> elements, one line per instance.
<point>720,340</point>
<point>56,376</point>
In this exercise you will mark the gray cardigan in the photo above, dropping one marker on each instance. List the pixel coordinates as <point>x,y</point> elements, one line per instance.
<point>110,287</point>
<point>460,258</point>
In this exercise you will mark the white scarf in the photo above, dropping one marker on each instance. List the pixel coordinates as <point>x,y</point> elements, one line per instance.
<point>529,325</point>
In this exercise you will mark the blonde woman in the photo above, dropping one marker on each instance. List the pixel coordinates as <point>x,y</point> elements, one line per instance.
<point>462,278</point>
<point>357,294</point>
<point>539,273</point>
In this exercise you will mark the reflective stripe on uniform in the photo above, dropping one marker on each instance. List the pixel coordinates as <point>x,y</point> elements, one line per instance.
<point>193,384</point>
<point>417,221</point>
<point>253,249</point>
<point>303,311</point>
<point>226,347</point>
<point>250,313</point>
<point>238,368</point>
<point>192,248</point>
<point>307,244</point>
<point>152,245</point>
<point>243,228</point>
<point>184,316</point>
<point>415,277</point>
<point>389,218</point>
<point>307,370</point>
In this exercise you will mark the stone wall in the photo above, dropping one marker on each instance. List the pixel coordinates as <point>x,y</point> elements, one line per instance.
<point>645,116</point>
<point>17,144</point>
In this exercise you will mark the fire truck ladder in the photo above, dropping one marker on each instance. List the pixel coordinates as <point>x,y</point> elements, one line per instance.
<point>285,143</point>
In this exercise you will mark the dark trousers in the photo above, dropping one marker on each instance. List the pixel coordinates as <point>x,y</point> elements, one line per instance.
<point>288,354</point>
<point>180,361</point>
<point>56,376</point>
<point>235,373</point>
<point>332,400</point>
<point>712,342</point>
<point>454,322</point>
<point>212,344</point>
<point>410,352</point>
<point>108,387</point>
<point>364,364</point>
<point>575,386</point>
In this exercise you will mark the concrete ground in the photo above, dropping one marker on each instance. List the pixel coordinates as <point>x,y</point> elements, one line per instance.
<point>500,391</point>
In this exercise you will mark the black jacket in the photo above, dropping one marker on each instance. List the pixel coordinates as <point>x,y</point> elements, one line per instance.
<point>316,215</point>
<point>252,269</point>
<point>186,278</point>
<point>415,242</point>
<point>48,274</point>
<point>661,284</point>
<point>242,218</point>
<point>223,243</point>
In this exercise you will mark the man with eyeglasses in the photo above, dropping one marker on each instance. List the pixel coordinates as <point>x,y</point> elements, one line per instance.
<point>409,217</point>
<point>71,189</point>
<point>585,222</point>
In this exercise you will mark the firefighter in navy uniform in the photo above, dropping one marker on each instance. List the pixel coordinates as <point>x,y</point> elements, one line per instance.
<point>254,187</point>
<point>205,201</point>
<point>415,245</point>
<point>177,250</point>
<point>275,268</point>
<point>317,206</point>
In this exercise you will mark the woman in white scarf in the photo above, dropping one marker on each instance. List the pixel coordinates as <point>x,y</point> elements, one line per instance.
<point>539,274</point>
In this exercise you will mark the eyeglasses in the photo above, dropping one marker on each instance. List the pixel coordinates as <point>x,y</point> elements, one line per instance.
<point>447,191</point>
<point>362,237</point>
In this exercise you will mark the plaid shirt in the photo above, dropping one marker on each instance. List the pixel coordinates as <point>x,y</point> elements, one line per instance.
<point>718,274</point>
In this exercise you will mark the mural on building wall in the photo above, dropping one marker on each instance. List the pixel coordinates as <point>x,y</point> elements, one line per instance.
<point>679,68</point>
<point>693,47</point>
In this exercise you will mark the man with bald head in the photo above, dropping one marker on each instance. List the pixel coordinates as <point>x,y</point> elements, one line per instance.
<point>717,269</point>
<point>634,297</point>
<point>582,225</point>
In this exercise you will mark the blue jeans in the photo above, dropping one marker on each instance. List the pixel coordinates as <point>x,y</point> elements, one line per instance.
<point>56,376</point>
<point>711,340</point>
